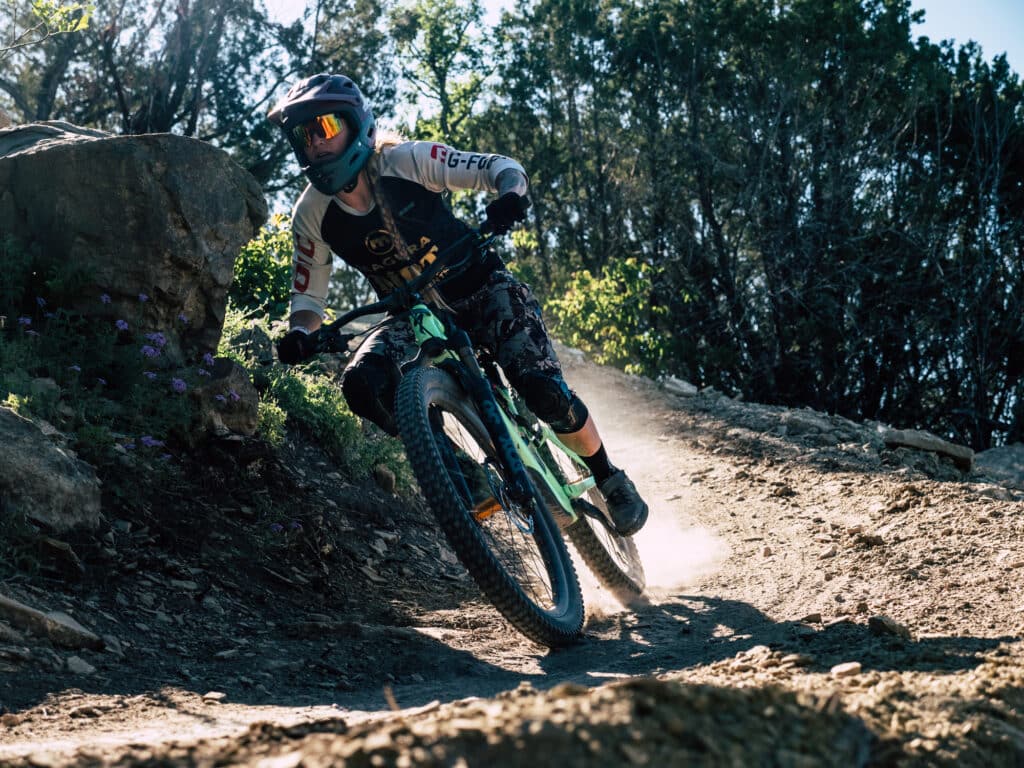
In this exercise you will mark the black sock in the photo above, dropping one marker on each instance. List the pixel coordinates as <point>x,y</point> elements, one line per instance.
<point>599,465</point>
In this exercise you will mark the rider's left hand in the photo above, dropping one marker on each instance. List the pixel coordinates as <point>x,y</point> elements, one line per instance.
<point>506,211</point>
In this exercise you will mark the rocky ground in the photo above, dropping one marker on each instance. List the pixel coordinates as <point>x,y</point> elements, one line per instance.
<point>818,597</point>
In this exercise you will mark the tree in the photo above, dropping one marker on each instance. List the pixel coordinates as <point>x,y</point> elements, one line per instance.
<point>35,22</point>
<point>444,59</point>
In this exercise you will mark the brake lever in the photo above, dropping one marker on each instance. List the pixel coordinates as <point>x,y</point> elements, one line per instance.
<point>331,340</point>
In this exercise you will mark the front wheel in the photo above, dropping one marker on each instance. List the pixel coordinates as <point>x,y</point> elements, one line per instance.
<point>515,553</point>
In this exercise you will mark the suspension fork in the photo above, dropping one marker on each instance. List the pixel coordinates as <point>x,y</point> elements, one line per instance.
<point>478,387</point>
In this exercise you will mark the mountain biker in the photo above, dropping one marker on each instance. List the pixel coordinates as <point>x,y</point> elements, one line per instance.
<point>376,201</point>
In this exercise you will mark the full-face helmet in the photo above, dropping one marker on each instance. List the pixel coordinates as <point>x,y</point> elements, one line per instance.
<point>329,97</point>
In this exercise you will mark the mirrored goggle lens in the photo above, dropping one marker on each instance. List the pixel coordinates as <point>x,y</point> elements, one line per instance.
<point>327,126</point>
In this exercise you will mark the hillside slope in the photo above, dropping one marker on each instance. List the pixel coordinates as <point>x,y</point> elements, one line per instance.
<point>816,598</point>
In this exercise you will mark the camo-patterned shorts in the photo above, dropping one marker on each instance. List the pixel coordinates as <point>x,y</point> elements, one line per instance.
<point>503,317</point>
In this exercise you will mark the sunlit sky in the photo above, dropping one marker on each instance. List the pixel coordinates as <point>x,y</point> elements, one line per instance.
<point>996,25</point>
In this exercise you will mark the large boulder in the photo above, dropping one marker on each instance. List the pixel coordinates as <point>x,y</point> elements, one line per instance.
<point>42,481</point>
<point>156,216</point>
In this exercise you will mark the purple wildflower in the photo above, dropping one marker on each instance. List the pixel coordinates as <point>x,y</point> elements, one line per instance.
<point>129,445</point>
<point>203,372</point>
<point>49,315</point>
<point>105,298</point>
<point>165,457</point>
<point>221,398</point>
<point>178,385</point>
<point>183,318</point>
<point>76,368</point>
<point>276,527</point>
<point>234,395</point>
<point>30,332</point>
<point>149,351</point>
<point>40,301</point>
<point>149,375</point>
<point>122,325</point>
<point>101,381</point>
<point>157,338</point>
<point>143,297</point>
<point>24,321</point>
<point>150,442</point>
<point>295,525</point>
<point>208,359</point>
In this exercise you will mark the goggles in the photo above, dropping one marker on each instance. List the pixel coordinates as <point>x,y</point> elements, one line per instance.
<point>327,126</point>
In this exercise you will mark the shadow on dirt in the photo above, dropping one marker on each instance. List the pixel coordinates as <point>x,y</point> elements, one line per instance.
<point>691,630</point>
<point>359,666</point>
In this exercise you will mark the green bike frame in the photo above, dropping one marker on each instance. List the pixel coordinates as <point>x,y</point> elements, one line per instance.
<point>427,327</point>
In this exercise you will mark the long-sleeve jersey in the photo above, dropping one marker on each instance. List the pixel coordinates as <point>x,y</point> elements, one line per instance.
<point>413,176</point>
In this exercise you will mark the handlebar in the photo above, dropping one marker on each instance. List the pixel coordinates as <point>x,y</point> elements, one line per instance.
<point>331,338</point>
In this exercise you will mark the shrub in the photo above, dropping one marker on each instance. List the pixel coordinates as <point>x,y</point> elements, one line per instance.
<point>262,273</point>
<point>315,404</point>
<point>611,316</point>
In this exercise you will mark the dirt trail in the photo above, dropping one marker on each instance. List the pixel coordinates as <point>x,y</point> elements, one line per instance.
<point>774,538</point>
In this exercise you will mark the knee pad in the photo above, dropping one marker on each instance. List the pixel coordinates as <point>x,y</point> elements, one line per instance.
<point>369,387</point>
<point>550,398</point>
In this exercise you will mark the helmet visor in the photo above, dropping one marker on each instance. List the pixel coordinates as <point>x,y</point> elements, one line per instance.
<point>327,126</point>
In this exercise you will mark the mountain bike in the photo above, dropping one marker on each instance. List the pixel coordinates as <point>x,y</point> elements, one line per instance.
<point>499,482</point>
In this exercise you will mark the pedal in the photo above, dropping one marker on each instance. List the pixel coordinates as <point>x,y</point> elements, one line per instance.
<point>584,507</point>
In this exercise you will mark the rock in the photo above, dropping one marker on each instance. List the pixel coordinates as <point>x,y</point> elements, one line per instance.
<point>158,215</point>
<point>846,669</point>
<point>10,635</point>
<point>254,344</point>
<point>675,386</point>
<point>920,440</point>
<point>227,403</point>
<point>801,422</point>
<point>113,645</point>
<point>80,666</point>
<point>385,478</point>
<point>42,481</point>
<point>59,627</point>
<point>883,625</point>
<point>1005,464</point>
<point>812,618</point>
<point>214,697</point>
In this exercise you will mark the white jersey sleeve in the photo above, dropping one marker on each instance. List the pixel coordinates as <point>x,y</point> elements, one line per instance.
<point>311,260</point>
<point>439,167</point>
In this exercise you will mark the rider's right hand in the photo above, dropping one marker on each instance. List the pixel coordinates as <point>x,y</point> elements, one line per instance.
<point>506,211</point>
<point>297,345</point>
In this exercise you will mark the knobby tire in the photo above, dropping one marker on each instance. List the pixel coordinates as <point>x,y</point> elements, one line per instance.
<point>612,558</point>
<point>424,397</point>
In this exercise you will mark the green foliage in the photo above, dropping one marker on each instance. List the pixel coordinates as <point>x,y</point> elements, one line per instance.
<point>105,385</point>
<point>445,59</point>
<point>314,402</point>
<point>63,17</point>
<point>34,22</point>
<point>272,421</point>
<point>263,270</point>
<point>611,316</point>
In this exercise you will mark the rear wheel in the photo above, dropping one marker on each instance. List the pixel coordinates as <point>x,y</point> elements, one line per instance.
<point>514,552</point>
<point>612,558</point>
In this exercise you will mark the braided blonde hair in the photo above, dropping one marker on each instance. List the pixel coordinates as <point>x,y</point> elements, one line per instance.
<point>386,139</point>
